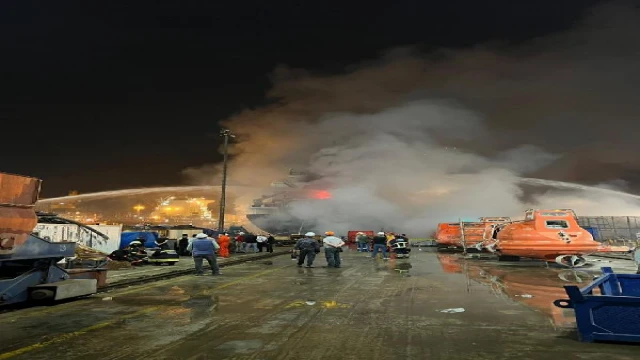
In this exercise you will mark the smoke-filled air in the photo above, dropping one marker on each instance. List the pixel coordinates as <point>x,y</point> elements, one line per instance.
<point>416,138</point>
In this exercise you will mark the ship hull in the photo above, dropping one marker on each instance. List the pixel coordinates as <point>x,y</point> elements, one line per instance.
<point>279,223</point>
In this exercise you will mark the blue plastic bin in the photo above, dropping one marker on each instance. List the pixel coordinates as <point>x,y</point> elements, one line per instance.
<point>614,315</point>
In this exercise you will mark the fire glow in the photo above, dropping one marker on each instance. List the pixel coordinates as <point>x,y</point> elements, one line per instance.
<point>320,195</point>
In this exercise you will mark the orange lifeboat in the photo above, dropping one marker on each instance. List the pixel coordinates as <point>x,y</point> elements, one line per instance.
<point>549,235</point>
<point>448,234</point>
<point>464,235</point>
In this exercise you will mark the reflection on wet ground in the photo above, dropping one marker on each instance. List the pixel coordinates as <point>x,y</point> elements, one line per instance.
<point>430,306</point>
<point>532,283</point>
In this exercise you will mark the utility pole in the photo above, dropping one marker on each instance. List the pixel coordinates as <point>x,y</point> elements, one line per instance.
<point>223,191</point>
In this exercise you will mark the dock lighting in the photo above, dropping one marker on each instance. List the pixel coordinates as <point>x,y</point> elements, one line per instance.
<point>138,208</point>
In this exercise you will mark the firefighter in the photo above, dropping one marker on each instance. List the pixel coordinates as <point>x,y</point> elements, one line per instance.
<point>137,254</point>
<point>390,236</point>
<point>399,246</point>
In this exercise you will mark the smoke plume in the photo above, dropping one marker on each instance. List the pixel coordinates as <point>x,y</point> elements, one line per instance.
<point>413,139</point>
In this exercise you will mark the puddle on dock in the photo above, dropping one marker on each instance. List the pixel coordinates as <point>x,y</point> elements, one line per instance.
<point>527,282</point>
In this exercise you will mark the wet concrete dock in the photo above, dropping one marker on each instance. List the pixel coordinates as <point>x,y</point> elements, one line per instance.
<point>369,309</point>
<point>115,277</point>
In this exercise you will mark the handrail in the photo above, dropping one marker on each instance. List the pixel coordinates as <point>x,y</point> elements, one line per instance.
<point>71,222</point>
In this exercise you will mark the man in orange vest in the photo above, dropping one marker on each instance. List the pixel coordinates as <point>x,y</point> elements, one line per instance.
<point>223,241</point>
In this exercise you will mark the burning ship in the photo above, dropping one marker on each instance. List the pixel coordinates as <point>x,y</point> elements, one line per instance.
<point>272,212</point>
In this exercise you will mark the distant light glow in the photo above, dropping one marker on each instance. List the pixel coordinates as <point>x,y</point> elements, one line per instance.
<point>320,195</point>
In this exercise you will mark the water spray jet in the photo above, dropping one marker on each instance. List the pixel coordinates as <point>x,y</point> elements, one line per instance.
<point>130,192</point>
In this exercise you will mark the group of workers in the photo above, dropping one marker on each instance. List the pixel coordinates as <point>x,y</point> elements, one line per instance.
<point>255,243</point>
<point>201,247</point>
<point>136,254</point>
<point>383,242</point>
<point>182,245</point>
<point>308,247</point>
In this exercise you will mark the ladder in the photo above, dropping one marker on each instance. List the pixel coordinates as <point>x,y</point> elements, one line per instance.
<point>462,239</point>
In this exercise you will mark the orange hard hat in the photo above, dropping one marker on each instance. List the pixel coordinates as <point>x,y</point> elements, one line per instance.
<point>329,233</point>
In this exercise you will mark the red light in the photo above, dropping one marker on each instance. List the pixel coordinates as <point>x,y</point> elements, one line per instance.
<point>320,195</point>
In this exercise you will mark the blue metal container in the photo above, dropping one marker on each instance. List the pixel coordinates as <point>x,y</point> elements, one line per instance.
<point>593,231</point>
<point>614,315</point>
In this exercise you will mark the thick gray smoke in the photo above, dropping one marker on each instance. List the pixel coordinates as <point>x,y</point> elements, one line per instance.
<point>412,140</point>
<point>390,170</point>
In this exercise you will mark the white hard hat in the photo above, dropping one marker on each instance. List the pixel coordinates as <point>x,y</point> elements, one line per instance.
<point>201,236</point>
<point>310,234</point>
<point>240,233</point>
<point>381,233</point>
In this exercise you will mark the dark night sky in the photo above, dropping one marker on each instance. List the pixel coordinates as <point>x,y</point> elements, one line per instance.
<point>117,94</point>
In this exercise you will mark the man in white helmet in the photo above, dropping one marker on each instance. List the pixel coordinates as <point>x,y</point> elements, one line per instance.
<point>308,248</point>
<point>204,248</point>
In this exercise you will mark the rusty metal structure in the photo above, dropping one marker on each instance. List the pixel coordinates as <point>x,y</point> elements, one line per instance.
<point>29,268</point>
<point>18,195</point>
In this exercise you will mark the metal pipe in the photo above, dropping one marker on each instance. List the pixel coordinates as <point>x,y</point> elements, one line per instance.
<point>226,134</point>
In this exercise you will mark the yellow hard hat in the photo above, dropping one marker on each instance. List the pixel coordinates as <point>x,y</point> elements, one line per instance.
<point>329,233</point>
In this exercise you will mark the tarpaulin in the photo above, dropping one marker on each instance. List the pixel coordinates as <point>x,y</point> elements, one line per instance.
<point>149,238</point>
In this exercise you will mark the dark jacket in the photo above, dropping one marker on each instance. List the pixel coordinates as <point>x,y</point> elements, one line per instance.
<point>307,244</point>
<point>380,240</point>
<point>162,244</point>
<point>251,239</point>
